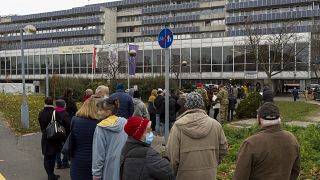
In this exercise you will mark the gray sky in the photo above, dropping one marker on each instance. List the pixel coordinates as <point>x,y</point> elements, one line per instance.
<point>22,7</point>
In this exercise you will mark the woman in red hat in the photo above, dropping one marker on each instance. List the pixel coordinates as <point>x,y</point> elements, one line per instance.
<point>139,161</point>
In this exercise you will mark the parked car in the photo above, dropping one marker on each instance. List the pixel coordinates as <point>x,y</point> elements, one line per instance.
<point>316,93</point>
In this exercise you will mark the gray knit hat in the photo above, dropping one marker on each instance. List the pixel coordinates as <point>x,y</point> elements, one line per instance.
<point>194,101</point>
<point>269,111</point>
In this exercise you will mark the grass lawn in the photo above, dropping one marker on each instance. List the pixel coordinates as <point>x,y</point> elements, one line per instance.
<point>296,111</point>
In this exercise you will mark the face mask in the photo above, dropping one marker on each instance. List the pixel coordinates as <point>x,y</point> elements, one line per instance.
<point>149,138</point>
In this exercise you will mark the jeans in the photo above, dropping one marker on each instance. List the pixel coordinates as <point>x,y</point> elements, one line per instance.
<point>158,123</point>
<point>230,114</point>
<point>49,162</point>
<point>64,161</point>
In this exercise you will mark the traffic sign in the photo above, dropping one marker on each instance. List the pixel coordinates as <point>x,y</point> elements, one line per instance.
<point>165,38</point>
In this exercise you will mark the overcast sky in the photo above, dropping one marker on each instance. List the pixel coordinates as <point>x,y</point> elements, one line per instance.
<point>22,7</point>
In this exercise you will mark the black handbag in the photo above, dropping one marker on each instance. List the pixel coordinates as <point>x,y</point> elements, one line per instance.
<point>55,131</point>
<point>67,146</point>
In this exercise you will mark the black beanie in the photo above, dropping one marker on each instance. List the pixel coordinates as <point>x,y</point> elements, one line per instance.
<point>269,111</point>
<point>136,94</point>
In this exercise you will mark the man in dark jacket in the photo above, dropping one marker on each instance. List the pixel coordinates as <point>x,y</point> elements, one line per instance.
<point>173,109</point>
<point>231,106</point>
<point>158,104</point>
<point>50,148</point>
<point>267,95</point>
<point>271,153</point>
<point>295,94</point>
<point>126,104</point>
<point>139,160</point>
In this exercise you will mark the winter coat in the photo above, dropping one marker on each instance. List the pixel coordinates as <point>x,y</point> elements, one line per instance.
<point>142,162</point>
<point>48,147</point>
<point>82,130</point>
<point>151,106</point>
<point>126,105</point>
<point>63,116</point>
<point>109,138</point>
<point>222,96</point>
<point>232,103</point>
<point>267,95</point>
<point>158,103</point>
<point>270,154</point>
<point>203,94</point>
<point>71,106</point>
<point>140,109</point>
<point>173,109</point>
<point>295,93</point>
<point>196,146</point>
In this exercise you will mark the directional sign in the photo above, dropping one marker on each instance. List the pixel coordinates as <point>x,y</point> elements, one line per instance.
<point>165,38</point>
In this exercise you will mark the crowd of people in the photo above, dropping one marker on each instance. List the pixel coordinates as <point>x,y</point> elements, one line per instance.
<point>110,136</point>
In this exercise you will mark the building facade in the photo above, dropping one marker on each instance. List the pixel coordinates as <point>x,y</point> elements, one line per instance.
<point>207,34</point>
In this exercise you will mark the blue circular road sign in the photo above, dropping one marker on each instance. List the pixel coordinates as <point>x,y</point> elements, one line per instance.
<point>165,38</point>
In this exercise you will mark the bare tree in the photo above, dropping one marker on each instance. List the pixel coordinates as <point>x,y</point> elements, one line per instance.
<point>175,67</point>
<point>315,54</point>
<point>108,62</point>
<point>275,52</point>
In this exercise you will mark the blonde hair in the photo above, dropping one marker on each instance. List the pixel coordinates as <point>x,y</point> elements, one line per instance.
<point>89,92</point>
<point>102,88</point>
<point>89,108</point>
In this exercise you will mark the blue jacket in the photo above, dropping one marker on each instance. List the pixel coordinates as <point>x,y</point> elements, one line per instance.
<point>82,130</point>
<point>126,104</point>
<point>109,138</point>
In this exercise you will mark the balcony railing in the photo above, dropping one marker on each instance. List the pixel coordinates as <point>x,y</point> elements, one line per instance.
<point>179,30</point>
<point>53,24</point>
<point>170,7</point>
<point>273,16</point>
<point>263,3</point>
<point>171,19</point>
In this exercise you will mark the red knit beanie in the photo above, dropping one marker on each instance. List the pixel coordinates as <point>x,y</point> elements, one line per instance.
<point>136,126</point>
<point>200,85</point>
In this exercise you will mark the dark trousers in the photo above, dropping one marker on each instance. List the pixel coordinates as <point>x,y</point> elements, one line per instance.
<point>65,160</point>
<point>215,114</point>
<point>230,114</point>
<point>153,121</point>
<point>49,162</point>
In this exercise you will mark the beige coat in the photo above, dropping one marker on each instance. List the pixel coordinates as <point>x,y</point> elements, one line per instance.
<point>271,154</point>
<point>196,146</point>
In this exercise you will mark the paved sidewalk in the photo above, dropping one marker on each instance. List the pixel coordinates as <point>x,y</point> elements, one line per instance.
<point>21,158</point>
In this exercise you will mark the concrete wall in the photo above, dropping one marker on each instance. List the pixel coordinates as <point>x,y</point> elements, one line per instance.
<point>110,26</point>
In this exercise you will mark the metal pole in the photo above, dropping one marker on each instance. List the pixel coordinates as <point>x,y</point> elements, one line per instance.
<point>24,107</point>
<point>47,77</point>
<point>127,59</point>
<point>167,94</point>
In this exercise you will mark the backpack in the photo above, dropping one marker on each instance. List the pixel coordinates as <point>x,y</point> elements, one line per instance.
<point>54,130</point>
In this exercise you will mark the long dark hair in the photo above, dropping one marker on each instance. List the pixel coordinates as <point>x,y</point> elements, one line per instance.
<point>111,104</point>
<point>68,94</point>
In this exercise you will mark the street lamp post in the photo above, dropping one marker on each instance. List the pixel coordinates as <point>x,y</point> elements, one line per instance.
<point>24,106</point>
<point>183,64</point>
<point>132,53</point>
<point>47,77</point>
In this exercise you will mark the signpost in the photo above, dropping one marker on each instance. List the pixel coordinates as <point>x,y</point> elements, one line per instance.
<point>165,39</point>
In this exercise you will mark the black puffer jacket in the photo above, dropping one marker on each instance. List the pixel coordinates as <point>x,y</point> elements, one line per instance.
<point>267,95</point>
<point>141,162</point>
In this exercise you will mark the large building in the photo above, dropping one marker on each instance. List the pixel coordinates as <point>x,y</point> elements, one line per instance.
<point>206,35</point>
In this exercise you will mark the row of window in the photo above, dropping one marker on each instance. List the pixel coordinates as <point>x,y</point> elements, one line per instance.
<point>205,59</point>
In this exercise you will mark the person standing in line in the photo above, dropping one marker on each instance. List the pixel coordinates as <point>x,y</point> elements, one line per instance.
<point>139,161</point>
<point>65,119</point>
<point>102,91</point>
<point>200,89</point>
<point>215,104</point>
<point>83,125</point>
<point>196,143</point>
<point>245,91</point>
<point>71,106</point>
<point>126,104</point>
<point>272,153</point>
<point>173,109</point>
<point>295,94</point>
<point>306,93</point>
<point>223,99</point>
<point>152,108</point>
<point>231,106</point>
<point>88,94</point>
<point>158,103</point>
<point>108,140</point>
<point>267,95</point>
<point>140,108</point>
<point>181,101</point>
<point>50,148</point>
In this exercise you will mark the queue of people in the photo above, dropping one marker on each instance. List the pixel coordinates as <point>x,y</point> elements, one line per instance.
<point>111,137</point>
